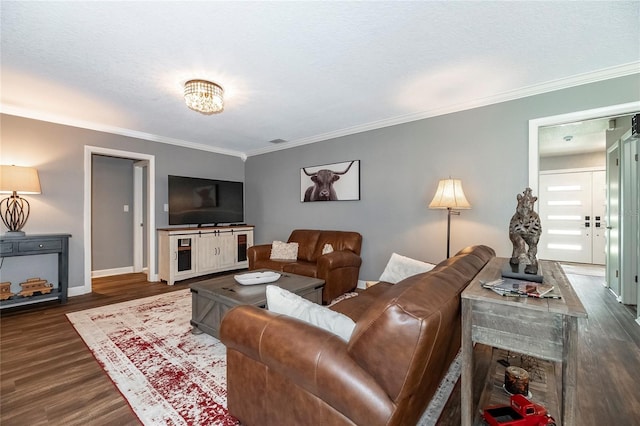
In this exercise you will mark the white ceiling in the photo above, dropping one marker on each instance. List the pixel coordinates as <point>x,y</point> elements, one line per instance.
<point>298,71</point>
<point>576,138</point>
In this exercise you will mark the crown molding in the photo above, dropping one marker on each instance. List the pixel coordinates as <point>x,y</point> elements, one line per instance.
<point>538,89</point>
<point>89,125</point>
<point>550,86</point>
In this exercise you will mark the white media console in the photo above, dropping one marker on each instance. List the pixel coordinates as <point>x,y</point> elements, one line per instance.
<point>190,252</point>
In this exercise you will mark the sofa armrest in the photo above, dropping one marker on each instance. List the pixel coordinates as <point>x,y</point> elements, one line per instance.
<point>259,252</point>
<point>312,358</point>
<point>339,270</point>
<point>337,259</point>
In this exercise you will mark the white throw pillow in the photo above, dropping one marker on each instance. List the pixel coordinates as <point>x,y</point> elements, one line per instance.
<point>400,267</point>
<point>328,248</point>
<point>284,251</point>
<point>284,302</point>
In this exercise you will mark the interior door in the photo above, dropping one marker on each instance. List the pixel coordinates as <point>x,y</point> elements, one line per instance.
<point>629,222</point>
<point>613,218</point>
<point>567,217</point>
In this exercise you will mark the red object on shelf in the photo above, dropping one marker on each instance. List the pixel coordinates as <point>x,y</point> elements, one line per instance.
<point>521,412</point>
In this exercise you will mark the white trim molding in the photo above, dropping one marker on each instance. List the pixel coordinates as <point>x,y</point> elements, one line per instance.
<point>535,124</point>
<point>152,274</point>
<point>111,272</point>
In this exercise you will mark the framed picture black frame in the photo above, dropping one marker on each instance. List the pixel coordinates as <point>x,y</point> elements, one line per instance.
<point>330,182</point>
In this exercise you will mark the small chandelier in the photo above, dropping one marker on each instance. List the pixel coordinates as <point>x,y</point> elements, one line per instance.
<point>204,96</point>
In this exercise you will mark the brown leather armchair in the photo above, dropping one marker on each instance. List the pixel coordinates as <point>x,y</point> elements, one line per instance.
<point>282,371</point>
<point>339,269</point>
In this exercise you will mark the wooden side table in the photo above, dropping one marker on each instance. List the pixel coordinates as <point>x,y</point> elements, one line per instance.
<point>31,245</point>
<point>542,328</point>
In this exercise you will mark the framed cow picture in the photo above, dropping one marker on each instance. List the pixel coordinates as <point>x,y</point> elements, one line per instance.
<point>330,182</point>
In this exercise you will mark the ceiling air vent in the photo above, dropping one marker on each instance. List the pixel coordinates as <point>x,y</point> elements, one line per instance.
<point>277,141</point>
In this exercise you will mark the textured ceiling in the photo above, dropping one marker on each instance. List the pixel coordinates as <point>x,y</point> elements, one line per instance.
<point>298,71</point>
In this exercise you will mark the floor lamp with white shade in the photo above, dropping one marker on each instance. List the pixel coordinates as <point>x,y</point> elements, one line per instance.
<point>450,196</point>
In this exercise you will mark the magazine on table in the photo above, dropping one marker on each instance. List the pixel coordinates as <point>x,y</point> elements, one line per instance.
<point>514,287</point>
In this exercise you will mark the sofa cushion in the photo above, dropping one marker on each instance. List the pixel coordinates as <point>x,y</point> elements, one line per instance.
<point>339,240</point>
<point>284,251</point>
<point>355,307</point>
<point>400,267</point>
<point>307,269</point>
<point>328,248</point>
<point>307,240</point>
<point>284,302</point>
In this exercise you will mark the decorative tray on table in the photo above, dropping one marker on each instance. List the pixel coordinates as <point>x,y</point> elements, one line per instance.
<point>257,278</point>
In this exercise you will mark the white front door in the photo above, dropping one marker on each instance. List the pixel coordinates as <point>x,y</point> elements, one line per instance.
<point>571,209</point>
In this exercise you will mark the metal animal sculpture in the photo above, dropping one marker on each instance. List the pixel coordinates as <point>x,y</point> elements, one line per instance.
<point>525,229</point>
<point>322,188</point>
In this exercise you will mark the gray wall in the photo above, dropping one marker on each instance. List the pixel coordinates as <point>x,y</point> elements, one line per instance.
<point>112,227</point>
<point>57,151</point>
<point>400,166</point>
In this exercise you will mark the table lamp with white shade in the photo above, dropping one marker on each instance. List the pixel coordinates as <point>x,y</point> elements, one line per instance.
<point>14,209</point>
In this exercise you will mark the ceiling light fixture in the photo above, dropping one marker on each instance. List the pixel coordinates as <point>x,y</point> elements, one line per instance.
<point>204,96</point>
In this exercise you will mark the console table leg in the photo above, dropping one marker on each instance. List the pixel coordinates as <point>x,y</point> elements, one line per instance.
<point>466,384</point>
<point>569,370</point>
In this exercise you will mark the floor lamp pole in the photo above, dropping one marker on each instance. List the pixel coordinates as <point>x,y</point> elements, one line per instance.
<point>448,229</point>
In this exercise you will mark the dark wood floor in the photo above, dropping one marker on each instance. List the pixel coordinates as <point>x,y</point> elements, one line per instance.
<point>49,377</point>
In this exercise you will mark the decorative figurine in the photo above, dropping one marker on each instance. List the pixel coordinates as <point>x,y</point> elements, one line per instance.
<point>525,228</point>
<point>35,285</point>
<point>521,412</point>
<point>5,290</point>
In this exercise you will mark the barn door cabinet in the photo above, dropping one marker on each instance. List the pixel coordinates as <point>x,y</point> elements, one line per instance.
<point>190,252</point>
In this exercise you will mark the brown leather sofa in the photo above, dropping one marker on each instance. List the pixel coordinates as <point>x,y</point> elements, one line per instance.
<point>338,269</point>
<point>282,371</point>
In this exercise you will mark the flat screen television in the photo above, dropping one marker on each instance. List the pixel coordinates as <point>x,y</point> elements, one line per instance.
<point>197,201</point>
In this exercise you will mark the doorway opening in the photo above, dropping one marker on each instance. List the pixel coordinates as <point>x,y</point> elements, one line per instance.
<point>147,194</point>
<point>615,258</point>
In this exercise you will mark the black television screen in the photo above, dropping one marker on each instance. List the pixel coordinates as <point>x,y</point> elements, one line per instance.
<point>197,201</point>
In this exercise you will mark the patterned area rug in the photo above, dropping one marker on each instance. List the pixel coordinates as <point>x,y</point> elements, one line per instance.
<point>170,376</point>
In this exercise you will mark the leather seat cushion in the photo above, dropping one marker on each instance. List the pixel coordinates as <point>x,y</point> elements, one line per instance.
<point>308,269</point>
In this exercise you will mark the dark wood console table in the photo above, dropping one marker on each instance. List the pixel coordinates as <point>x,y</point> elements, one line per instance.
<point>30,245</point>
<point>542,328</point>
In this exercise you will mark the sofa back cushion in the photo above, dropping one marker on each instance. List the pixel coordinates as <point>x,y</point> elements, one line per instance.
<point>339,241</point>
<point>413,329</point>
<point>307,240</point>
<point>312,241</point>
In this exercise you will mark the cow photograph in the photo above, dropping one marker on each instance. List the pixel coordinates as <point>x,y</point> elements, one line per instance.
<point>330,182</point>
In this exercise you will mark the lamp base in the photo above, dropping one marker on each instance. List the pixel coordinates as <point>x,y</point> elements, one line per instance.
<point>13,234</point>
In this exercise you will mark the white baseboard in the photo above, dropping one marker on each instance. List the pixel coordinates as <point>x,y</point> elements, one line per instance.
<point>76,291</point>
<point>114,271</point>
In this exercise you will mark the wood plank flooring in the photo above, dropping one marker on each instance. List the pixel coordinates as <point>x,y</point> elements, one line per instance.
<point>49,377</point>
<point>47,374</point>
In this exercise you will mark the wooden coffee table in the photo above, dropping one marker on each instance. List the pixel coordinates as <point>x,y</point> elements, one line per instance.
<point>211,299</point>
